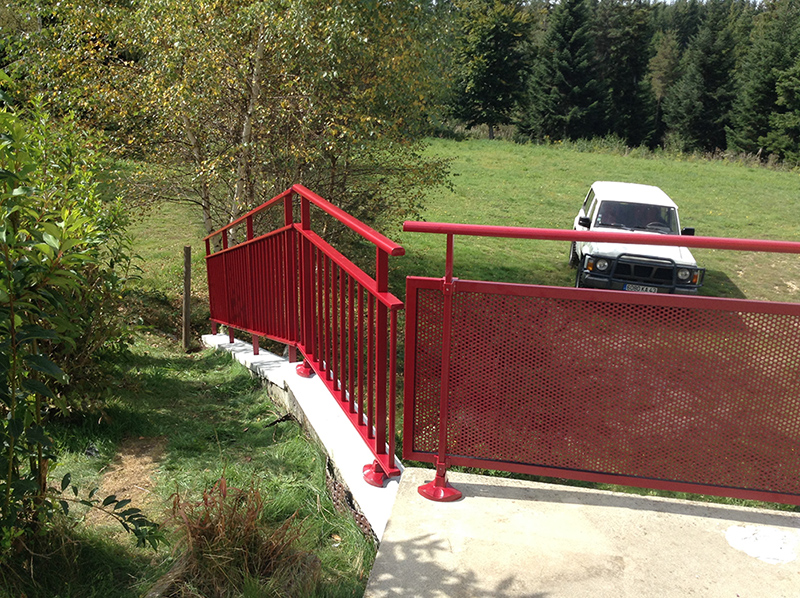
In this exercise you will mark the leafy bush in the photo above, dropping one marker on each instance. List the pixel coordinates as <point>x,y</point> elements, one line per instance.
<point>63,259</point>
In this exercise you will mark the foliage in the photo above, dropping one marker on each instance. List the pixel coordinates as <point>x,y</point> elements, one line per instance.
<point>229,547</point>
<point>622,38</point>
<point>757,114</point>
<point>490,59</point>
<point>566,98</point>
<point>697,110</point>
<point>54,237</point>
<point>237,100</point>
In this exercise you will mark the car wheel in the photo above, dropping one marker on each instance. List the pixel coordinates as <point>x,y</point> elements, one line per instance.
<point>578,273</point>
<point>573,256</point>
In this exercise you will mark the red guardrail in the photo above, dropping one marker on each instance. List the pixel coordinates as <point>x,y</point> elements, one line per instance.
<point>684,393</point>
<point>291,286</point>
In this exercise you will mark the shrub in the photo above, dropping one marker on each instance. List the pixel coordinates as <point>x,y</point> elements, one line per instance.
<point>229,548</point>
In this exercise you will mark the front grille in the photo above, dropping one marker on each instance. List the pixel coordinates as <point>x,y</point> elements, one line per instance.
<point>644,270</point>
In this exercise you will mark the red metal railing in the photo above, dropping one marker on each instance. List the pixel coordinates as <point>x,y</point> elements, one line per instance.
<point>291,286</point>
<point>672,392</point>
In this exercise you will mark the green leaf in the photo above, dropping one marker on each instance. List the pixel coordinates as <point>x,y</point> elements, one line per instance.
<point>122,503</point>
<point>65,481</point>
<point>51,240</point>
<point>64,506</point>
<point>109,499</point>
<point>37,387</point>
<point>43,364</point>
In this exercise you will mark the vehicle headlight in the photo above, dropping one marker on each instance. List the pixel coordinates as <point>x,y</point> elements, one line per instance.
<point>684,274</point>
<point>602,264</point>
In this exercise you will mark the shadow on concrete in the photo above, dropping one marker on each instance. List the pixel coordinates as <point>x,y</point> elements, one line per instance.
<point>424,551</point>
<point>563,494</point>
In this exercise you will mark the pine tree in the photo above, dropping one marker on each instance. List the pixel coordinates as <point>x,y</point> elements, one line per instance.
<point>663,73</point>
<point>622,39</point>
<point>566,99</point>
<point>775,48</point>
<point>697,109</point>
<point>490,60</point>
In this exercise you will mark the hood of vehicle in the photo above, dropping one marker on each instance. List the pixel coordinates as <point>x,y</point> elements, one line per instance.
<point>680,255</point>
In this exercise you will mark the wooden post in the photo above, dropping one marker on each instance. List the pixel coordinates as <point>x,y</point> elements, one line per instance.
<point>187,295</point>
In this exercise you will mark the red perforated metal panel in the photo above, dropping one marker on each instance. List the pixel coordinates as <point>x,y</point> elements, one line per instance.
<point>607,385</point>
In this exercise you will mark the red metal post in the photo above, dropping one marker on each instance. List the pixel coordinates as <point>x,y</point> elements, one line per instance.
<point>439,489</point>
<point>307,300</point>
<point>374,474</point>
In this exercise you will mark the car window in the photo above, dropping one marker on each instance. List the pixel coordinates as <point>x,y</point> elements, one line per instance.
<point>636,216</point>
<point>587,202</point>
<point>593,209</point>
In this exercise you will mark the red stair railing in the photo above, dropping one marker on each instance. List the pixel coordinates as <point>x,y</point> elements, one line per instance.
<point>291,286</point>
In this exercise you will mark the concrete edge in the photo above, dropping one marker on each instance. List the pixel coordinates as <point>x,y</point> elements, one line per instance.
<point>309,401</point>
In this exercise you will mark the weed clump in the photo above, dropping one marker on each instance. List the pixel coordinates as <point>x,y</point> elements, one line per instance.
<point>230,548</point>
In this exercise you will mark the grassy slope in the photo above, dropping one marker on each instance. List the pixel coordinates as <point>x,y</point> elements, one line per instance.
<point>215,418</point>
<point>502,183</point>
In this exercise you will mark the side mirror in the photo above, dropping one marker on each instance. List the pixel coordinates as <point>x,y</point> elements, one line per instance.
<point>688,232</point>
<point>584,221</point>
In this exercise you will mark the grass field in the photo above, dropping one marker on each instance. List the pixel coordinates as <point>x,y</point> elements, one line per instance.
<point>502,183</point>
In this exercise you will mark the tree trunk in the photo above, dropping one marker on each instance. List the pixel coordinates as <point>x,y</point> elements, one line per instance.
<point>242,199</point>
<point>205,193</point>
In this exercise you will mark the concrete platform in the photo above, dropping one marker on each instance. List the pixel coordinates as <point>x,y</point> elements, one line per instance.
<point>508,538</point>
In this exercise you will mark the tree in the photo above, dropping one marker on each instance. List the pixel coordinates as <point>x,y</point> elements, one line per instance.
<point>622,43</point>
<point>697,110</point>
<point>663,72</point>
<point>566,99</point>
<point>774,50</point>
<point>235,100</point>
<point>490,60</point>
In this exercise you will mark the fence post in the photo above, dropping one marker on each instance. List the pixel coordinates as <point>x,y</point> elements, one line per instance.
<point>187,296</point>
<point>251,290</point>
<point>374,473</point>
<point>439,489</point>
<point>306,308</point>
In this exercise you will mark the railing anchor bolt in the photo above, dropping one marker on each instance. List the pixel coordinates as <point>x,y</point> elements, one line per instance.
<point>374,474</point>
<point>304,369</point>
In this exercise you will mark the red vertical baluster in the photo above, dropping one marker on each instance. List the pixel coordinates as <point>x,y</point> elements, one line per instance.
<point>392,384</point>
<point>342,337</point>
<point>335,327</point>
<point>351,343</point>
<point>361,419</point>
<point>370,365</point>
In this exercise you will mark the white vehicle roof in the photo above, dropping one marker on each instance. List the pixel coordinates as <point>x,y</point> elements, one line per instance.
<point>631,193</point>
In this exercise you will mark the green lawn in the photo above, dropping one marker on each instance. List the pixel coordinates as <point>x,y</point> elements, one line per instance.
<point>502,183</point>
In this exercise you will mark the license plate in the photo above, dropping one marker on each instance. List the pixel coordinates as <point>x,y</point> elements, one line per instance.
<point>640,288</point>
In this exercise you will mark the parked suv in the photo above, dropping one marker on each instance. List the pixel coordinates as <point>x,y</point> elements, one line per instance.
<point>636,209</point>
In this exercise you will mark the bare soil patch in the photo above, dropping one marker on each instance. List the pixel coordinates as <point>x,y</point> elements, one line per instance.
<point>130,475</point>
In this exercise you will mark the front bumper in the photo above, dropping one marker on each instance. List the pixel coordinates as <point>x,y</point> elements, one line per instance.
<point>592,281</point>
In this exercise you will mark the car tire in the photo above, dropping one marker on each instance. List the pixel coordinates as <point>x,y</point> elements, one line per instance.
<point>573,256</point>
<point>578,272</point>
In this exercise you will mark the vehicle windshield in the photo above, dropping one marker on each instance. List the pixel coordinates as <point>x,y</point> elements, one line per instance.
<point>637,216</point>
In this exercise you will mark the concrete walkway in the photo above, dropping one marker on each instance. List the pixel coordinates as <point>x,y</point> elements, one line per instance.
<point>508,538</point>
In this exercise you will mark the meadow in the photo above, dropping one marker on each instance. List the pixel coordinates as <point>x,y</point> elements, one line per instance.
<point>503,183</point>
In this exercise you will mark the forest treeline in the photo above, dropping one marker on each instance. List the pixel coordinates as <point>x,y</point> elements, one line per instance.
<point>686,75</point>
<point>229,102</point>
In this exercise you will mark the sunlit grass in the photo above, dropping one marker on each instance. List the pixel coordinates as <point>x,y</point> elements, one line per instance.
<point>503,183</point>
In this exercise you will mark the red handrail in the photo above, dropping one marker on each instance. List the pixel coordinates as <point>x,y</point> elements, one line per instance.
<point>291,286</point>
<point>546,234</point>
